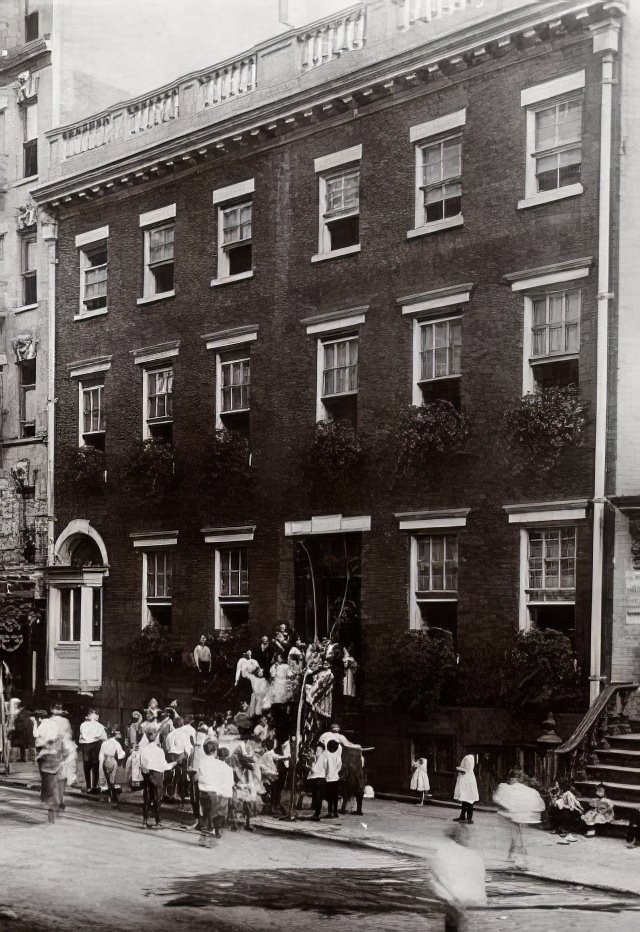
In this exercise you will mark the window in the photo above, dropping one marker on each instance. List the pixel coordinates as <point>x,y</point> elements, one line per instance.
<point>30,144</point>
<point>158,228</point>
<point>232,587</point>
<point>440,349</point>
<point>340,369</point>
<point>27,389</point>
<point>31,26</point>
<point>236,250</point>
<point>551,579</point>
<point>29,270</point>
<point>442,179</point>
<point>552,563</point>
<point>438,563</point>
<point>158,575</point>
<point>94,277</point>
<point>96,615</point>
<point>436,581</point>
<point>234,209</point>
<point>553,139</point>
<point>235,385</point>
<point>558,151</point>
<point>556,323</point>
<point>70,614</point>
<point>339,203</point>
<point>159,404</point>
<point>93,422</point>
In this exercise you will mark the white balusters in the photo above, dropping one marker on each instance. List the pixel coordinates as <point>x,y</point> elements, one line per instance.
<point>410,12</point>
<point>330,39</point>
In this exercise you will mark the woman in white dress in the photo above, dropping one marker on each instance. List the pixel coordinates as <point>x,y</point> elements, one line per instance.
<point>420,778</point>
<point>466,791</point>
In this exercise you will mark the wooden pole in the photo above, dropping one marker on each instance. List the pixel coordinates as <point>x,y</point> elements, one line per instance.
<point>294,753</point>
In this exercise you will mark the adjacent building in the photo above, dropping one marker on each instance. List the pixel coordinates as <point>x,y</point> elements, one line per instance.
<point>404,203</point>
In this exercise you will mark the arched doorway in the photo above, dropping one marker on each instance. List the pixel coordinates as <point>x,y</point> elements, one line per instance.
<point>75,616</point>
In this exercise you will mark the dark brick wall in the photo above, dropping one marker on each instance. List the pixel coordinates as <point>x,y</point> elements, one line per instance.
<point>496,239</point>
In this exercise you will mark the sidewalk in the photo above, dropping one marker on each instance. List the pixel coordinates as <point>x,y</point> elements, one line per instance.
<point>414,831</point>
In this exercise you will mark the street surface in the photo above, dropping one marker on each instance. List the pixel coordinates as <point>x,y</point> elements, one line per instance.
<point>97,869</point>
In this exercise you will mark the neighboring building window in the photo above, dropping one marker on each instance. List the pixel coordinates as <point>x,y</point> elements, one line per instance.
<point>556,323</point>
<point>551,577</point>
<point>70,614</point>
<point>159,404</point>
<point>235,375</point>
<point>436,575</point>
<point>339,202</point>
<point>161,258</point>
<point>232,587</point>
<point>236,252</point>
<point>30,144</point>
<point>93,421</point>
<point>2,247</point>
<point>31,26</point>
<point>94,277</point>
<point>558,144</point>
<point>158,574</point>
<point>27,389</point>
<point>29,270</point>
<point>441,181</point>
<point>553,139</point>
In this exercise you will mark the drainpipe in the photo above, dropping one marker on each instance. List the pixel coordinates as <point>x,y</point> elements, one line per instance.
<point>50,236</point>
<point>605,40</point>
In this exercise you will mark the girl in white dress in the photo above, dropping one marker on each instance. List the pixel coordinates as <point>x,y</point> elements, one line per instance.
<point>466,791</point>
<point>420,778</point>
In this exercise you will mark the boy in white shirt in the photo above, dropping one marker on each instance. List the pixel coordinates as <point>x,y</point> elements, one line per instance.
<point>215,785</point>
<point>153,764</point>
<point>111,753</point>
<point>327,771</point>
<point>92,734</point>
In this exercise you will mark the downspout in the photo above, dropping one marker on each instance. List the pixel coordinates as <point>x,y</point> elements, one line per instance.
<point>50,236</point>
<point>605,40</point>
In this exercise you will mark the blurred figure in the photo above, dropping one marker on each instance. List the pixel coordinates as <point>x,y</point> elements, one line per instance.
<point>50,764</point>
<point>21,734</point>
<point>111,754</point>
<point>522,805</point>
<point>420,778</point>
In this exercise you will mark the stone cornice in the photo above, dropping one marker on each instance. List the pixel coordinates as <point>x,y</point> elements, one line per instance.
<point>294,109</point>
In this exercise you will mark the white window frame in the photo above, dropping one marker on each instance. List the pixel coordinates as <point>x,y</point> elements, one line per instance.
<point>422,136</point>
<point>90,386</point>
<point>419,324</point>
<point>323,413</point>
<point>30,107</point>
<point>564,353</point>
<point>160,601</point>
<point>161,218</point>
<point>221,365</point>
<point>230,197</point>
<point>146,372</point>
<point>26,271</point>
<point>84,243</point>
<point>327,168</point>
<point>415,614</point>
<point>335,341</point>
<point>220,621</point>
<point>534,99</point>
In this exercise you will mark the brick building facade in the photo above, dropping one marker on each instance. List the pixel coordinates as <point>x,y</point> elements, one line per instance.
<point>309,230</point>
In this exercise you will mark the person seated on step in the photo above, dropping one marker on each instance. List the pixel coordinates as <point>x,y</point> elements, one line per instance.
<point>600,811</point>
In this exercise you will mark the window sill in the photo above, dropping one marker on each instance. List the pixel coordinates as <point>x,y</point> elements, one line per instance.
<point>547,197</point>
<point>24,441</point>
<point>560,357</point>
<point>241,276</point>
<point>338,395</point>
<point>336,253</point>
<point>89,314</point>
<point>26,307</point>
<point>440,378</point>
<point>30,180</point>
<point>150,299</point>
<point>448,223</point>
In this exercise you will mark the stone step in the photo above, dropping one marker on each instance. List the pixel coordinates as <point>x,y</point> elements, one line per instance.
<point>618,793</point>
<point>616,773</point>
<point>629,742</point>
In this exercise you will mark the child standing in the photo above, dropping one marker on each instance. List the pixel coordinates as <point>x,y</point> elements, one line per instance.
<point>420,778</point>
<point>466,791</point>
<point>215,784</point>
<point>111,753</point>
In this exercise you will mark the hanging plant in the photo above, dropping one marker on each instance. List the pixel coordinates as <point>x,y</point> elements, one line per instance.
<point>88,469</point>
<point>151,469</point>
<point>424,430</point>
<point>228,460</point>
<point>547,422</point>
<point>335,454</point>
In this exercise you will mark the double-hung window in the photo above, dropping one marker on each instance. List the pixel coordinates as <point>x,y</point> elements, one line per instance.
<point>554,143</point>
<point>442,179</point>
<point>27,389</point>
<point>92,248</point>
<point>158,228</point>
<point>551,578</point>
<point>93,422</point>
<point>29,270</point>
<point>438,173</point>
<point>555,327</point>
<point>440,349</point>
<point>435,581</point>
<point>340,367</point>
<point>234,391</point>
<point>31,26</point>
<point>339,203</point>
<point>232,587</point>
<point>158,587</point>
<point>30,143</point>
<point>159,403</point>
<point>70,614</point>
<point>234,206</point>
